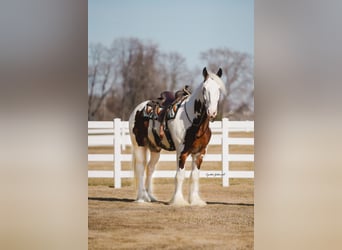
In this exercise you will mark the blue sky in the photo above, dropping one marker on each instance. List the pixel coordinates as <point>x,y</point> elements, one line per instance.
<point>188,27</point>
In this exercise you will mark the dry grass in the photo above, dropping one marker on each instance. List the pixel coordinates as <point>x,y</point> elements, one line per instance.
<point>115,221</point>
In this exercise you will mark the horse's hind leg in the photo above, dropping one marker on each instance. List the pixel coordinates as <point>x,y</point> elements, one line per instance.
<point>139,169</point>
<point>150,169</point>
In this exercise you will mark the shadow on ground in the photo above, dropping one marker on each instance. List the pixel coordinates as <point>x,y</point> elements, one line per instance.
<point>113,199</point>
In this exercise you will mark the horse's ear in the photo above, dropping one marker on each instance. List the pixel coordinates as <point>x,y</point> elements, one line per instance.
<point>219,72</point>
<point>205,73</point>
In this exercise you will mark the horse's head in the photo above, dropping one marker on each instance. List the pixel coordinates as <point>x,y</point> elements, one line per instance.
<point>211,91</point>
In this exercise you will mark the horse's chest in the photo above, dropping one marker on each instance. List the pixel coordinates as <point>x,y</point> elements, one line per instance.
<point>196,140</point>
<point>200,144</point>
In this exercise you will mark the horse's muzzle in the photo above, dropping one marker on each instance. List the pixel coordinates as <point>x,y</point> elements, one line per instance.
<point>211,115</point>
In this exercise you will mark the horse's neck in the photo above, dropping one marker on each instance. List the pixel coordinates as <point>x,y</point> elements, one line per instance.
<point>194,99</point>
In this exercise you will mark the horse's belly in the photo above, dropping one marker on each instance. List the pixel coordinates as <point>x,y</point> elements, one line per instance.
<point>177,131</point>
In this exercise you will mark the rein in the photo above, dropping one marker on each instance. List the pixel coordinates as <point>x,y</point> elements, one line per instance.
<point>187,115</point>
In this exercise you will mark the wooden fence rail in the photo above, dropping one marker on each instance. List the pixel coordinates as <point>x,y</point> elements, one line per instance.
<point>116,134</point>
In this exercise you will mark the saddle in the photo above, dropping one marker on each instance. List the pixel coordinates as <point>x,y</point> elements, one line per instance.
<point>165,108</point>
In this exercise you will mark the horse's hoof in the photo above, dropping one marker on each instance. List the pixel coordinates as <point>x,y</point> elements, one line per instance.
<point>197,202</point>
<point>143,199</point>
<point>179,203</point>
<point>140,200</point>
<point>152,198</point>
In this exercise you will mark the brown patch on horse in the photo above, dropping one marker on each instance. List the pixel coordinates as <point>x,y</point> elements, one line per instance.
<point>140,131</point>
<point>140,128</point>
<point>196,141</point>
<point>198,106</point>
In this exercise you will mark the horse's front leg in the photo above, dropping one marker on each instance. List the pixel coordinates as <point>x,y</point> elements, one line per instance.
<point>178,198</point>
<point>194,197</point>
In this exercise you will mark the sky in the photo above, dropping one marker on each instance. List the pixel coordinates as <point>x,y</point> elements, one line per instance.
<point>188,27</point>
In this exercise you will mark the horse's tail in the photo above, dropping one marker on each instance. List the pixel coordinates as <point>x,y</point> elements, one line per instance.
<point>134,162</point>
<point>133,159</point>
<point>138,152</point>
<point>139,161</point>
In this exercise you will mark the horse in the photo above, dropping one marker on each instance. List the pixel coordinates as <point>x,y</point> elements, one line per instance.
<point>189,132</point>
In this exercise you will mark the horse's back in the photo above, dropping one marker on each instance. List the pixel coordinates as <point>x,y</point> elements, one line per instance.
<point>139,107</point>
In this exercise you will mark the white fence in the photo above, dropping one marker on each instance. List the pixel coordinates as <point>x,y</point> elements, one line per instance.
<point>116,134</point>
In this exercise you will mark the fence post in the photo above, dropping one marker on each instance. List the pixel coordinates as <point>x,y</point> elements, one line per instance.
<point>123,142</point>
<point>225,153</point>
<point>117,153</point>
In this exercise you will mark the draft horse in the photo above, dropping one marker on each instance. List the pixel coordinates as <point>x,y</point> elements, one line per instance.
<point>190,134</point>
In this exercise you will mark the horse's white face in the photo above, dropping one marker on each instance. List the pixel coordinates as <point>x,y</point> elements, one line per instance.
<point>211,96</point>
<point>211,91</point>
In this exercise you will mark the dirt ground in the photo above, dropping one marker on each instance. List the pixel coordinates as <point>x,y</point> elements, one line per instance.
<point>115,221</point>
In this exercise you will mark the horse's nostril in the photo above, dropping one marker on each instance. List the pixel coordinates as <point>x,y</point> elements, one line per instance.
<point>211,115</point>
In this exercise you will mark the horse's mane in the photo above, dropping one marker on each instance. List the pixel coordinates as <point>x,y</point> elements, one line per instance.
<point>219,82</point>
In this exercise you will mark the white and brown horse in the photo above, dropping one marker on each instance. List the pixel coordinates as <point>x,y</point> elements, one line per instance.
<point>190,133</point>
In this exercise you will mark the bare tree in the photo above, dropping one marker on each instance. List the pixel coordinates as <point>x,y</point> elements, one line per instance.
<point>101,75</point>
<point>139,76</point>
<point>129,72</point>
<point>174,70</point>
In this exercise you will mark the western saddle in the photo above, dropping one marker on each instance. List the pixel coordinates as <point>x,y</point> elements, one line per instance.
<point>165,108</point>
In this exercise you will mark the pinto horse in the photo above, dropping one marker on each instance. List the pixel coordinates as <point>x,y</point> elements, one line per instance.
<point>190,134</point>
